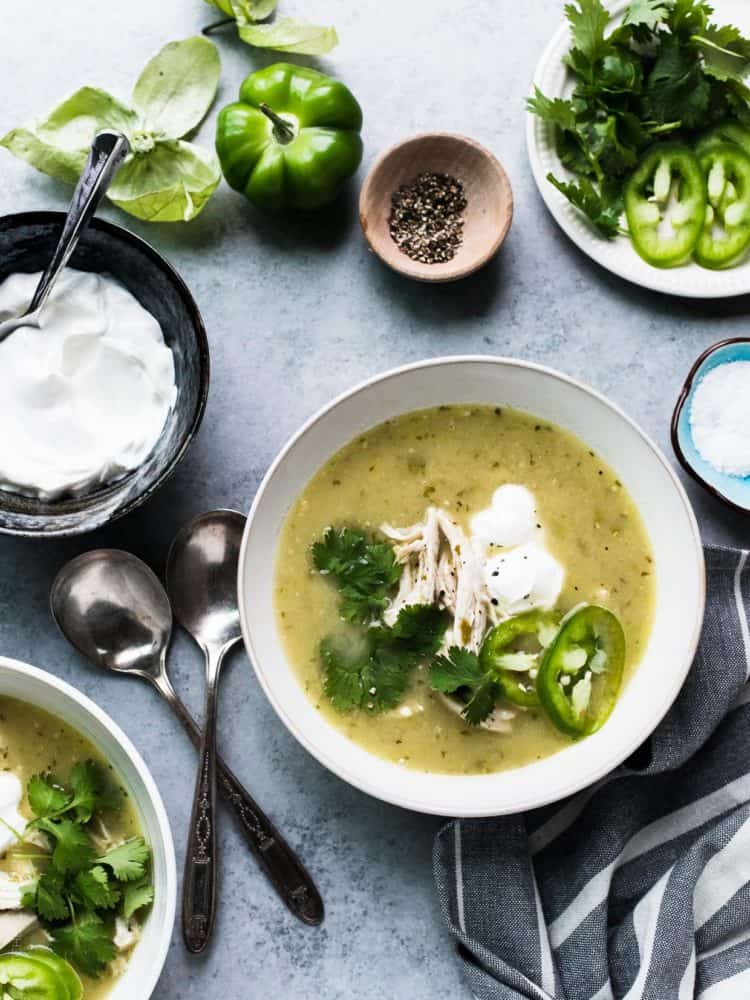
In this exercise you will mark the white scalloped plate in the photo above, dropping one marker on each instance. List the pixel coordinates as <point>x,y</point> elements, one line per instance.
<point>618,255</point>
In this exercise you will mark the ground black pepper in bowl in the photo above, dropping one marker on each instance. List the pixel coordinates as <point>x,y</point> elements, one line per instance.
<point>426,220</point>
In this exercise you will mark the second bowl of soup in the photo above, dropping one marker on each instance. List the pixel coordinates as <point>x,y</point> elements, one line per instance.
<point>480,586</point>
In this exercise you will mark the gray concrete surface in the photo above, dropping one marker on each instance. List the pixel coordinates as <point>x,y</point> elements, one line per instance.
<point>296,314</point>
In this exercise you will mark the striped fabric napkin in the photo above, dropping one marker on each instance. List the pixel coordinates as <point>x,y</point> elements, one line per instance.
<point>637,888</point>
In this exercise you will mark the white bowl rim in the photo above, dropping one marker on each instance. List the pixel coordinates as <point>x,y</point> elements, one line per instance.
<point>606,764</point>
<point>163,934</point>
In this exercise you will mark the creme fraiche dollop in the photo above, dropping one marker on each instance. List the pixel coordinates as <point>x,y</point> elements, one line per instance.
<point>84,398</point>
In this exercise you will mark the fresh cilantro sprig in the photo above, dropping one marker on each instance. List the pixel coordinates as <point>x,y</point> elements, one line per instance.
<point>374,674</point>
<point>666,71</point>
<point>460,671</point>
<point>78,890</point>
<point>363,568</point>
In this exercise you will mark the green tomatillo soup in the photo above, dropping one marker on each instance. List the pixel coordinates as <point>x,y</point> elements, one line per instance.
<point>75,878</point>
<point>464,589</point>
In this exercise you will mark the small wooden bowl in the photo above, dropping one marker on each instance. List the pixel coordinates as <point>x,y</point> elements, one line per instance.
<point>489,202</point>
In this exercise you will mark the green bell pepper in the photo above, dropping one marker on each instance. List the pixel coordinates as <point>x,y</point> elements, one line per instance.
<point>726,234</point>
<point>581,672</point>
<point>292,139</point>
<point>665,205</point>
<point>516,671</point>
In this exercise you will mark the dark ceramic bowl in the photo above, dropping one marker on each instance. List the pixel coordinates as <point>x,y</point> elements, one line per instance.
<point>26,244</point>
<point>734,491</point>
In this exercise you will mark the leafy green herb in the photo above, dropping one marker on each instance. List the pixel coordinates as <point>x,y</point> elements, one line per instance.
<point>461,672</point>
<point>85,942</point>
<point>286,34</point>
<point>136,895</point>
<point>128,861</point>
<point>363,569</point>
<point>164,178</point>
<point>375,673</point>
<point>77,893</point>
<point>665,72</point>
<point>604,213</point>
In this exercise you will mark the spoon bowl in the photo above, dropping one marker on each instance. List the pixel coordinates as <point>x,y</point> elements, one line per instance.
<point>202,577</point>
<point>112,608</point>
<point>115,612</point>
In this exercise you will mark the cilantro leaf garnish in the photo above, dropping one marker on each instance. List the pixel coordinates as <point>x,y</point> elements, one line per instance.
<point>136,895</point>
<point>94,890</point>
<point>86,942</point>
<point>460,668</point>
<point>45,797</point>
<point>375,673</point>
<point>461,671</point>
<point>128,861</point>
<point>76,893</point>
<point>72,851</point>
<point>363,569</point>
<point>46,897</point>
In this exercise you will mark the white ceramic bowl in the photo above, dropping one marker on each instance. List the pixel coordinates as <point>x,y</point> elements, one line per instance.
<point>644,471</point>
<point>43,690</point>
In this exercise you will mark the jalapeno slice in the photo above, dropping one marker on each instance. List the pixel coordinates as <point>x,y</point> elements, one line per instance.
<point>665,204</point>
<point>727,131</point>
<point>516,670</point>
<point>581,672</point>
<point>23,976</point>
<point>726,234</point>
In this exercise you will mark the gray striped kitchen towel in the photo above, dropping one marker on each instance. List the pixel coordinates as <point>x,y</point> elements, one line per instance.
<point>639,887</point>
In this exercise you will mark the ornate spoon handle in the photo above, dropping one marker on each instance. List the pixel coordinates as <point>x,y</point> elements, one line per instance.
<point>281,865</point>
<point>199,883</point>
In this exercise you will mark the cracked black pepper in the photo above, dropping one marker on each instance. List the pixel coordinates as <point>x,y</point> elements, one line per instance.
<point>426,220</point>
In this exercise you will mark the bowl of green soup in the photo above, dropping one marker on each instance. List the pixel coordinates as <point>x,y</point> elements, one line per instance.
<point>87,864</point>
<point>471,586</point>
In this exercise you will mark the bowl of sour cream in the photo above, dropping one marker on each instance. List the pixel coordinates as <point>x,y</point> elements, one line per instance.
<point>99,402</point>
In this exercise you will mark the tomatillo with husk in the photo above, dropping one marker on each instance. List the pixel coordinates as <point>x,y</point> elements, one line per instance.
<point>291,140</point>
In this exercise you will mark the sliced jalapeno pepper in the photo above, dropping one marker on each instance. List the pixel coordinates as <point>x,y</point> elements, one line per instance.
<point>665,205</point>
<point>25,977</point>
<point>726,234</point>
<point>515,671</point>
<point>727,131</point>
<point>581,672</point>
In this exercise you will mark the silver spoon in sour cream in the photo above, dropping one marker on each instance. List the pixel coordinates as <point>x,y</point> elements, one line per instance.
<point>108,150</point>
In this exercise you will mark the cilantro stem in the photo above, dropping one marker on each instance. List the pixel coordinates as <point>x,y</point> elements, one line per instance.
<point>217,25</point>
<point>16,834</point>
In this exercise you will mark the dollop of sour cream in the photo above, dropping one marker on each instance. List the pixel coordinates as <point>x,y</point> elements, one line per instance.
<point>84,398</point>
<point>11,821</point>
<point>518,570</point>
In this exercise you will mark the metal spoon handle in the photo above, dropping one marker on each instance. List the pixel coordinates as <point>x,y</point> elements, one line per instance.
<point>282,867</point>
<point>199,882</point>
<point>108,150</point>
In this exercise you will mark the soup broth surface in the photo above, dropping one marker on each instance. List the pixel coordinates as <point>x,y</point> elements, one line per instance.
<point>455,457</point>
<point>34,742</point>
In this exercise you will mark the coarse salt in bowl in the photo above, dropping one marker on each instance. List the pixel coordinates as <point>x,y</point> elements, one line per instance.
<point>703,419</point>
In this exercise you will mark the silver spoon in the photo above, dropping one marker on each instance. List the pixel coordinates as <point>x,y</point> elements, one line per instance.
<point>115,612</point>
<point>201,582</point>
<point>108,150</point>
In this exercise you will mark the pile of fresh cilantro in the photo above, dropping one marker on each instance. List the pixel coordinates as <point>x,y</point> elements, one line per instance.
<point>665,71</point>
<point>78,891</point>
<point>373,669</point>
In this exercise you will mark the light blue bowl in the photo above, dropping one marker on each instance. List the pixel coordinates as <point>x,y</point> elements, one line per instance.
<point>732,490</point>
